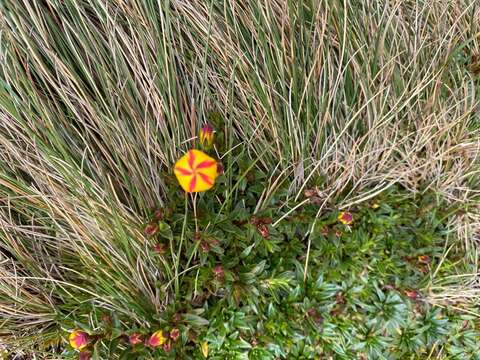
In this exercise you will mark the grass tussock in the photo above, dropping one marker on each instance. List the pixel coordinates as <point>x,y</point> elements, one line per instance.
<point>98,99</point>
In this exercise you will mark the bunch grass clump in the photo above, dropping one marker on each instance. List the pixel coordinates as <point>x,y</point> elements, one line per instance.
<point>369,108</point>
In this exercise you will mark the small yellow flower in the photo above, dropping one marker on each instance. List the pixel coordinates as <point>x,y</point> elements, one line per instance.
<point>206,136</point>
<point>157,339</point>
<point>196,171</point>
<point>78,339</point>
<point>205,349</point>
<point>345,218</point>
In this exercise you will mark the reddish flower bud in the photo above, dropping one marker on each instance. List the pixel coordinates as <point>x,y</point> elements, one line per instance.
<point>219,271</point>
<point>205,246</point>
<point>135,339</point>
<point>160,248</point>
<point>158,214</point>
<point>220,168</point>
<point>206,135</point>
<point>424,259</point>
<point>150,229</point>
<point>263,230</point>
<point>314,315</point>
<point>345,218</point>
<point>174,334</point>
<point>177,318</point>
<point>84,355</point>
<point>167,347</point>
<point>412,294</point>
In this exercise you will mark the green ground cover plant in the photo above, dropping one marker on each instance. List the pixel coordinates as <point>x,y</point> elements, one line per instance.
<point>343,222</point>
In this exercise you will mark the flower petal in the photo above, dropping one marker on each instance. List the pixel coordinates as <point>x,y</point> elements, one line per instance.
<point>205,178</point>
<point>183,172</point>
<point>205,164</point>
<point>191,159</point>
<point>193,182</point>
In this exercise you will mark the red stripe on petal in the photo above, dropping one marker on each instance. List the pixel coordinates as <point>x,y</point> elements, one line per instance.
<point>205,164</point>
<point>206,178</point>
<point>193,182</point>
<point>183,171</point>
<point>191,159</point>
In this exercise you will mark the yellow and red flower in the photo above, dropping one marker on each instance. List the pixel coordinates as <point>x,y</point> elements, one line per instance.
<point>345,218</point>
<point>206,136</point>
<point>78,339</point>
<point>158,338</point>
<point>196,171</point>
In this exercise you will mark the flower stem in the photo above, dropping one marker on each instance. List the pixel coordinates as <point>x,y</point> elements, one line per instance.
<point>177,260</point>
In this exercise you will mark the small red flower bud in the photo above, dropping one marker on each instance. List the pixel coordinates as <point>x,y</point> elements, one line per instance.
<point>158,214</point>
<point>412,294</point>
<point>220,169</point>
<point>424,259</point>
<point>150,229</point>
<point>205,246</point>
<point>167,347</point>
<point>135,339</point>
<point>174,334</point>
<point>160,248</point>
<point>177,318</point>
<point>84,355</point>
<point>345,218</point>
<point>263,230</point>
<point>219,271</point>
